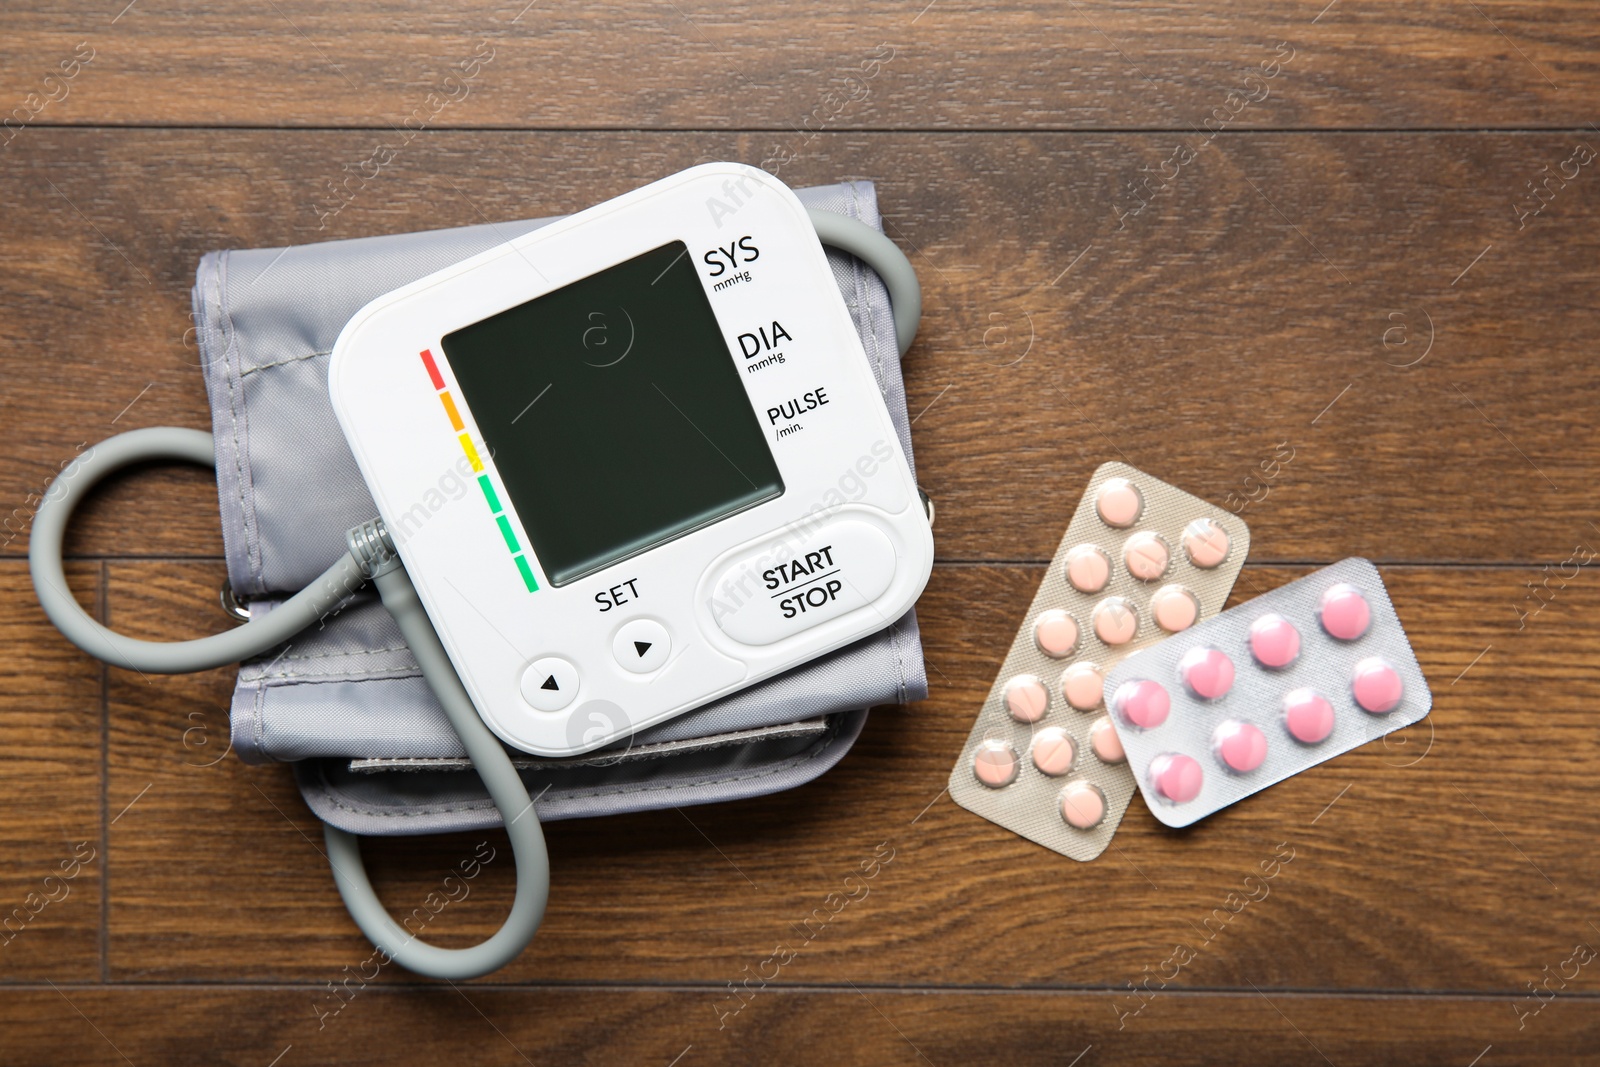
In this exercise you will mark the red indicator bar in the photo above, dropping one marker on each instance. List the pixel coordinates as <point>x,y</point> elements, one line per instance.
<point>433,369</point>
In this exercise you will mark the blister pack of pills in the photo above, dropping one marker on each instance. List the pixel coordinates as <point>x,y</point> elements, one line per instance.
<point>1265,690</point>
<point>1141,560</point>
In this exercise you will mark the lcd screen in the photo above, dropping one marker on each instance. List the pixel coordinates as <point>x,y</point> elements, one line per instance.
<point>615,413</point>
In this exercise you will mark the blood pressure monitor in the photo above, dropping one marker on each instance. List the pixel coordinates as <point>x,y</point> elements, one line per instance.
<point>634,460</point>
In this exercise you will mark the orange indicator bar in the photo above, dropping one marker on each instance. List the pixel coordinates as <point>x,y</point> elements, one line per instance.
<point>450,409</point>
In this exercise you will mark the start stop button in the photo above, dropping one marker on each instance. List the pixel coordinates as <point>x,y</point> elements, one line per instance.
<point>802,579</point>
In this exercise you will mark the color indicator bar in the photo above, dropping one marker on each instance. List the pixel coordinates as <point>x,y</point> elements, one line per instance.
<point>471,452</point>
<point>450,409</point>
<point>489,494</point>
<point>433,369</point>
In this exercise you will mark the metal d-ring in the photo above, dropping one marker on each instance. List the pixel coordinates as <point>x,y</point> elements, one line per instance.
<point>231,604</point>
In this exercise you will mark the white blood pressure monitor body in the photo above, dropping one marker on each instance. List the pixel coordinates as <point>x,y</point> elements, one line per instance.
<point>634,460</point>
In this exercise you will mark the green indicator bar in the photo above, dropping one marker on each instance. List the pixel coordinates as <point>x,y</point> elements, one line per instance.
<point>505,531</point>
<point>527,574</point>
<point>488,493</point>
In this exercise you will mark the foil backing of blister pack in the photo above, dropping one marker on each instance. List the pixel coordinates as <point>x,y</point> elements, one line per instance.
<point>1030,804</point>
<point>1325,666</point>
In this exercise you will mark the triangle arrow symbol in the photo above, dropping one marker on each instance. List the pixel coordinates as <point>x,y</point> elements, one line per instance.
<point>641,647</point>
<point>550,683</point>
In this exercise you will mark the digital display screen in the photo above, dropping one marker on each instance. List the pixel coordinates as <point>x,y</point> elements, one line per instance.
<point>614,412</point>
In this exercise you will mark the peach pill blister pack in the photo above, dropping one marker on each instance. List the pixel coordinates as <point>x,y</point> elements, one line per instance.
<point>1265,690</point>
<point>1140,561</point>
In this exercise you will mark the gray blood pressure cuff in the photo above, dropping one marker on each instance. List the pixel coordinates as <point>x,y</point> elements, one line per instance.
<point>346,701</point>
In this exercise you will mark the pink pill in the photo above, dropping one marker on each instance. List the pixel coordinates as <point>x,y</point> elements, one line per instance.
<point>1053,751</point>
<point>1274,641</point>
<point>995,764</point>
<point>1146,556</point>
<point>1088,568</point>
<point>1144,703</point>
<point>1056,633</point>
<point>1115,621</point>
<point>1082,805</point>
<point>1176,777</point>
<point>1307,716</point>
<point>1105,742</point>
<point>1206,672</point>
<point>1119,503</point>
<point>1344,612</point>
<point>1174,608</point>
<point>1205,542</point>
<point>1026,698</point>
<point>1083,685</point>
<point>1377,686</point>
<point>1239,745</point>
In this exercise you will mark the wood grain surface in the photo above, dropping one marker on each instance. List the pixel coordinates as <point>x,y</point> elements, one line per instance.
<point>1352,266</point>
<point>1078,65</point>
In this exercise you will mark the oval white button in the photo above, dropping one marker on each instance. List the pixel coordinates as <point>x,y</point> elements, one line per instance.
<point>549,684</point>
<point>799,580</point>
<point>641,646</point>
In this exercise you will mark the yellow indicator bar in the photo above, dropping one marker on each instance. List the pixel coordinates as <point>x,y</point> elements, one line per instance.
<point>450,409</point>
<point>472,453</point>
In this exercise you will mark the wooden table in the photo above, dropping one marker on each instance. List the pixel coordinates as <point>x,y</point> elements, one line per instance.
<point>1134,243</point>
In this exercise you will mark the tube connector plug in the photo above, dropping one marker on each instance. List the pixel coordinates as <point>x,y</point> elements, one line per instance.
<point>372,548</point>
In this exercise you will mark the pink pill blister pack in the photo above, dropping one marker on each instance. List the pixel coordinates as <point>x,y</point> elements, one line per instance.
<point>1141,560</point>
<point>1265,690</point>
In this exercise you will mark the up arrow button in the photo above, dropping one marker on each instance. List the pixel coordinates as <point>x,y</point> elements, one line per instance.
<point>549,683</point>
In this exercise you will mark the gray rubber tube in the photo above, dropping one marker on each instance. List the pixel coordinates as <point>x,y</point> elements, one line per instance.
<point>160,657</point>
<point>260,634</point>
<point>505,787</point>
<point>882,255</point>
